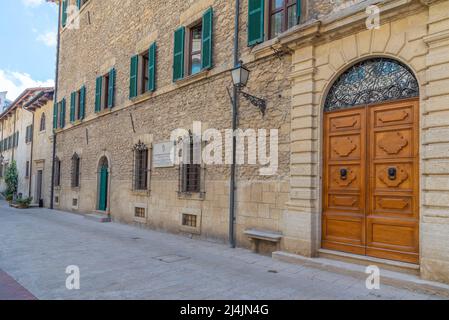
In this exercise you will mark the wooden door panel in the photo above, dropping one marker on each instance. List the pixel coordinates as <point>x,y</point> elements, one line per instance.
<point>392,219</point>
<point>393,144</point>
<point>345,147</point>
<point>403,179</point>
<point>394,115</point>
<point>344,122</point>
<point>351,181</point>
<point>345,202</point>
<point>344,178</point>
<point>393,204</point>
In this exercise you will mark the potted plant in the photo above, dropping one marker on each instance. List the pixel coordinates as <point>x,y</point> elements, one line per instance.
<point>23,203</point>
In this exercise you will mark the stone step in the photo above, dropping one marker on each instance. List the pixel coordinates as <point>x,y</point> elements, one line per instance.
<point>368,261</point>
<point>387,277</point>
<point>103,218</point>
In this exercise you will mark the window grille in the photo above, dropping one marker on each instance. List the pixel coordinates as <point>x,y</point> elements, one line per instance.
<point>140,166</point>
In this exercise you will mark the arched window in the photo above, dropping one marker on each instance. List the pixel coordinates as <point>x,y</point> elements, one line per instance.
<point>372,81</point>
<point>42,124</point>
<point>140,166</point>
<point>75,171</point>
<point>57,173</point>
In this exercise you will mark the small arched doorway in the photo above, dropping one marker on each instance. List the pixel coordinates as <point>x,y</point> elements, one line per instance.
<point>370,162</point>
<point>103,184</point>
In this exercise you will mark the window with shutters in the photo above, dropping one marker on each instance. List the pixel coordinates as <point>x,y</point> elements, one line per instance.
<point>140,167</point>
<point>192,50</point>
<point>190,170</point>
<point>143,72</point>
<point>42,123</point>
<point>77,104</point>
<point>105,91</point>
<point>57,173</point>
<point>76,161</point>
<point>269,18</point>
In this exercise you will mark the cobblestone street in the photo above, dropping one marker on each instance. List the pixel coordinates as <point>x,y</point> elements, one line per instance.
<point>125,262</point>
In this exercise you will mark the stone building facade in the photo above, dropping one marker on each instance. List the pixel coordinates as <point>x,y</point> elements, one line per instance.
<point>16,142</point>
<point>41,156</point>
<point>321,196</point>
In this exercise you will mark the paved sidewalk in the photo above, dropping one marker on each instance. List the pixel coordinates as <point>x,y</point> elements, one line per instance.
<point>10,289</point>
<point>125,262</point>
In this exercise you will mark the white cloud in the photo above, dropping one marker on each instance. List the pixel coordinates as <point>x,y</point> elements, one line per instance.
<point>33,3</point>
<point>16,82</point>
<point>49,38</point>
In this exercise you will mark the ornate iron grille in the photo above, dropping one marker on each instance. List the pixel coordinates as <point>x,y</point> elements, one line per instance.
<point>191,172</point>
<point>139,212</point>
<point>372,81</point>
<point>140,166</point>
<point>189,220</point>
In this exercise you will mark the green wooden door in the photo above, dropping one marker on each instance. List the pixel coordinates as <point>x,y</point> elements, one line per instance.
<point>102,202</point>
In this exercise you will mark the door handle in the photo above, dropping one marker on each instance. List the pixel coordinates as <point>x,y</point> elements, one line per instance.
<point>343,174</point>
<point>392,173</point>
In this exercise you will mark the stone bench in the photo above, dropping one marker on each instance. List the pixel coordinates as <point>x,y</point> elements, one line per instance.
<point>257,236</point>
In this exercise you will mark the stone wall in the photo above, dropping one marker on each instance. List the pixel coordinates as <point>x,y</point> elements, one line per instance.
<point>109,40</point>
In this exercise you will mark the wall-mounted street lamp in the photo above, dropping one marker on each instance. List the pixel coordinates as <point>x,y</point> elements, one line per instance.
<point>240,76</point>
<point>1,158</point>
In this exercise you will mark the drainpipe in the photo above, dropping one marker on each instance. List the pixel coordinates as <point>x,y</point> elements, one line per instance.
<point>232,186</point>
<point>55,99</point>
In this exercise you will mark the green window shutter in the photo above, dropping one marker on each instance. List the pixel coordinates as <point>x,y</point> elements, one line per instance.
<point>152,67</point>
<point>206,48</point>
<point>64,13</point>
<point>298,10</point>
<point>55,116</point>
<point>78,3</point>
<point>111,88</point>
<point>255,21</point>
<point>98,89</point>
<point>178,54</point>
<point>82,102</point>
<point>133,76</point>
<point>72,106</point>
<point>62,115</point>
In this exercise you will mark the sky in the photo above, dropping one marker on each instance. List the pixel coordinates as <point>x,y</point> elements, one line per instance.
<point>28,30</point>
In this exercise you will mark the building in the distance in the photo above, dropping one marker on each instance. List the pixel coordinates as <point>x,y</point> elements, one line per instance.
<point>359,95</point>
<point>16,124</point>
<point>41,154</point>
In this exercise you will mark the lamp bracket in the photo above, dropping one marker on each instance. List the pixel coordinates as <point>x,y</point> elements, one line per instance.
<point>255,101</point>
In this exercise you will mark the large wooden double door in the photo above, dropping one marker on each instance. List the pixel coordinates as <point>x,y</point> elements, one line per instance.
<point>370,181</point>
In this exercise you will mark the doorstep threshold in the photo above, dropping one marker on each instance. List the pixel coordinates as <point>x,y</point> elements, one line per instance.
<point>367,260</point>
<point>391,278</point>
